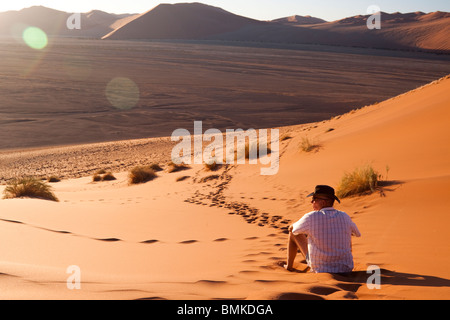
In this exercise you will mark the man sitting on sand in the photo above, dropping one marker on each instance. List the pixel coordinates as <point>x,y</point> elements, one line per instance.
<point>323,236</point>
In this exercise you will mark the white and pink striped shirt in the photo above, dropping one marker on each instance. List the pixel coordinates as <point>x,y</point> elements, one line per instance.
<point>329,234</point>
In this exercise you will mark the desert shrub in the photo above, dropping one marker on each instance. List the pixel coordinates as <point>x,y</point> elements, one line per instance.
<point>362,180</point>
<point>141,175</point>
<point>103,175</point>
<point>29,187</point>
<point>53,179</point>
<point>155,167</point>
<point>108,177</point>
<point>308,145</point>
<point>173,167</point>
<point>211,166</point>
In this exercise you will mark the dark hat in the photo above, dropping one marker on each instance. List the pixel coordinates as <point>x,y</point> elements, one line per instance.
<point>326,191</point>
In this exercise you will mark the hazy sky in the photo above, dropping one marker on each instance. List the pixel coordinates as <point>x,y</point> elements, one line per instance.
<point>258,9</point>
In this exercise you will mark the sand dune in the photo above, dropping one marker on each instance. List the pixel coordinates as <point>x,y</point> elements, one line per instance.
<point>181,21</point>
<point>223,237</point>
<point>415,31</point>
<point>409,31</point>
<point>398,31</point>
<point>94,24</point>
<point>299,20</point>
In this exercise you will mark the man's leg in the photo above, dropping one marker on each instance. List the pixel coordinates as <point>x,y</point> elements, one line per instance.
<point>296,242</point>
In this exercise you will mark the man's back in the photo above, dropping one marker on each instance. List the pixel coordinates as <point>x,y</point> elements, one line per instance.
<point>329,234</point>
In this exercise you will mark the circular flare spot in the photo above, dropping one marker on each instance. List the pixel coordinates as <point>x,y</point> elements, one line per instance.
<point>35,38</point>
<point>122,93</point>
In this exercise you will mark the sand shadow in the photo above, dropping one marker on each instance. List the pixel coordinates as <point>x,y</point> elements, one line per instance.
<point>389,183</point>
<point>388,186</point>
<point>353,280</point>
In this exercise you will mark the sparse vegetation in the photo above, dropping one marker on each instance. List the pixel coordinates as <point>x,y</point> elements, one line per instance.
<point>173,167</point>
<point>362,180</point>
<point>108,177</point>
<point>155,167</point>
<point>211,165</point>
<point>308,145</point>
<point>141,175</point>
<point>102,175</point>
<point>53,179</point>
<point>29,187</point>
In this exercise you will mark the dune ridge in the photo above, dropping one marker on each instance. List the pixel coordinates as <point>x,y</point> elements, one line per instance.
<point>414,31</point>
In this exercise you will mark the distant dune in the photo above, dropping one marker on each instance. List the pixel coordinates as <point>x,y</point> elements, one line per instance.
<point>181,21</point>
<point>196,21</point>
<point>299,20</point>
<point>398,31</point>
<point>410,31</point>
<point>94,24</point>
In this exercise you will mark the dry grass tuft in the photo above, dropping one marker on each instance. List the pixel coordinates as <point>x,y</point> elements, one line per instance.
<point>102,175</point>
<point>108,177</point>
<point>362,180</point>
<point>308,145</point>
<point>155,167</point>
<point>53,179</point>
<point>29,187</point>
<point>141,175</point>
<point>176,167</point>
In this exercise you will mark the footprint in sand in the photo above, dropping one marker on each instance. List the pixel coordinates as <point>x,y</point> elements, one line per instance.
<point>12,221</point>
<point>188,241</point>
<point>150,241</point>
<point>109,240</point>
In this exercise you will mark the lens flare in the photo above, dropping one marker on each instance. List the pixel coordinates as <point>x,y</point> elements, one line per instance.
<point>35,38</point>
<point>122,93</point>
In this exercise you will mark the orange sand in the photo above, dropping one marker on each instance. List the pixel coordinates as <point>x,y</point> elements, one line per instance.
<point>179,240</point>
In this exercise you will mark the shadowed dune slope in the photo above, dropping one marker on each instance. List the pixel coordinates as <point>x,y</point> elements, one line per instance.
<point>181,21</point>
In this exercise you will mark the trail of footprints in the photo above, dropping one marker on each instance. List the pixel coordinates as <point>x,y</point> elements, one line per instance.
<point>251,215</point>
<point>213,199</point>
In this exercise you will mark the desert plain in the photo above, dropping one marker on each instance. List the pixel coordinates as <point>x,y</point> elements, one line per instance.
<point>200,234</point>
